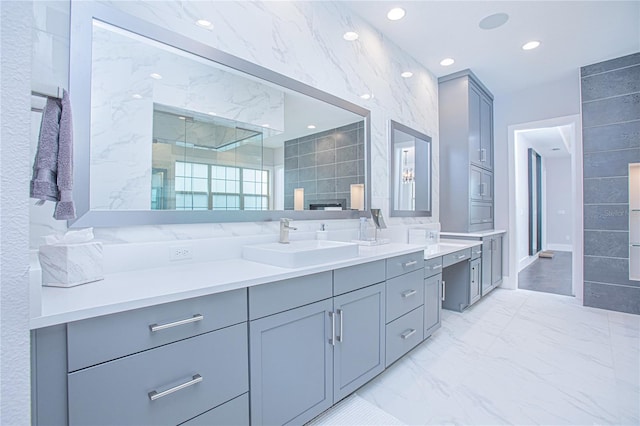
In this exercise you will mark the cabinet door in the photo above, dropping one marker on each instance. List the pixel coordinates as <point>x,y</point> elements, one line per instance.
<point>432,304</point>
<point>486,132</point>
<point>481,214</point>
<point>475,147</point>
<point>474,282</point>
<point>291,365</point>
<point>487,251</point>
<point>486,186</point>
<point>496,262</point>
<point>358,353</point>
<point>475,183</point>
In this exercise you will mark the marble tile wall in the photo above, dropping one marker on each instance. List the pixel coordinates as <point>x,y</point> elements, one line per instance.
<point>325,164</point>
<point>302,40</point>
<point>611,141</point>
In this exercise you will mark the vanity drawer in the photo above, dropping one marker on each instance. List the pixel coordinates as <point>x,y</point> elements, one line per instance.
<point>358,276</point>
<point>476,252</point>
<point>212,368</point>
<point>433,266</point>
<point>271,298</point>
<point>96,340</point>
<point>232,413</point>
<point>455,257</point>
<point>404,334</point>
<point>404,294</point>
<point>405,263</point>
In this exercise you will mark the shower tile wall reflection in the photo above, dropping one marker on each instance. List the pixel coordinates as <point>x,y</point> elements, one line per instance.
<point>325,164</point>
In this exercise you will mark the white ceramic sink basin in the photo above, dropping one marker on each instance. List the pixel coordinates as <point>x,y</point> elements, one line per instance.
<point>297,254</point>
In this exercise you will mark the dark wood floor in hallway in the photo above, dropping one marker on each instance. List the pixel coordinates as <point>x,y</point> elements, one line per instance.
<point>548,275</point>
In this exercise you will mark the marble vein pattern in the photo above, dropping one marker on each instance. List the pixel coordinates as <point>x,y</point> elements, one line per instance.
<point>66,265</point>
<point>518,357</point>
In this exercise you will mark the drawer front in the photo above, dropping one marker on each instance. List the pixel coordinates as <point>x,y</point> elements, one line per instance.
<point>119,392</point>
<point>432,266</point>
<point>406,263</point>
<point>271,298</point>
<point>455,257</point>
<point>476,252</point>
<point>404,294</point>
<point>404,334</point>
<point>232,413</point>
<point>102,339</point>
<point>358,276</point>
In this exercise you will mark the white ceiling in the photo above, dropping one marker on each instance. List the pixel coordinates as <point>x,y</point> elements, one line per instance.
<point>547,141</point>
<point>572,33</point>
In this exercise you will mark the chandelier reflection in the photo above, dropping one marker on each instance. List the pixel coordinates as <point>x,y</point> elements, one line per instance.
<point>407,172</point>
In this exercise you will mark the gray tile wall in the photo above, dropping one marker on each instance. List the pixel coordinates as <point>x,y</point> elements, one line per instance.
<point>611,140</point>
<point>325,164</point>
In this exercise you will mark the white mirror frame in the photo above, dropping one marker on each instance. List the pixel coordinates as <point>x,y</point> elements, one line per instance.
<point>82,16</point>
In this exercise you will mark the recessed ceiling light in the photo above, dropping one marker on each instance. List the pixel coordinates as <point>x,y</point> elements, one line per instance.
<point>365,96</point>
<point>265,125</point>
<point>155,75</point>
<point>182,118</point>
<point>136,96</point>
<point>311,126</point>
<point>212,113</point>
<point>493,21</point>
<point>350,36</point>
<point>204,23</point>
<point>555,149</point>
<point>396,13</point>
<point>530,45</point>
<point>446,62</point>
<point>406,74</point>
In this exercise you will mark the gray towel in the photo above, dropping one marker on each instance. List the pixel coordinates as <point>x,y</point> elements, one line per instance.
<point>53,166</point>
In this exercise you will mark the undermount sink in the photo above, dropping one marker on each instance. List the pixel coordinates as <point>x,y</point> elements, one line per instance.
<point>297,254</point>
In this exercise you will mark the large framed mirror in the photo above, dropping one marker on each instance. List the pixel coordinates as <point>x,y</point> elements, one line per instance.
<point>170,130</point>
<point>410,171</point>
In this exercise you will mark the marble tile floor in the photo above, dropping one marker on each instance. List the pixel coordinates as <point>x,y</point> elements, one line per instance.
<point>517,357</point>
<point>548,275</point>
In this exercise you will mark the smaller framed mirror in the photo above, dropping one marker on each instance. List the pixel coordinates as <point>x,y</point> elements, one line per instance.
<point>410,171</point>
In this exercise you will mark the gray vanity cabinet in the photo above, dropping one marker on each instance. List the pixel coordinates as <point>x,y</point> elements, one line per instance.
<point>475,281</point>
<point>432,295</point>
<point>466,153</point>
<point>291,365</point>
<point>491,263</point>
<point>306,358</point>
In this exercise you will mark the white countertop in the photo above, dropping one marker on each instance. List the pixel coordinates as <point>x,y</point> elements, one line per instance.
<point>445,247</point>
<point>147,287</point>
<point>479,234</point>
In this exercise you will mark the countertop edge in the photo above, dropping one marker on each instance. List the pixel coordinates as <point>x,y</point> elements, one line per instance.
<point>63,305</point>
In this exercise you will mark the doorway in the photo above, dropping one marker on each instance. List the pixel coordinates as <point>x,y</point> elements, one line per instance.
<point>544,203</point>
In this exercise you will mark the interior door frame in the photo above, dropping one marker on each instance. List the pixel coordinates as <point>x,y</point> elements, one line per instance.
<point>535,209</point>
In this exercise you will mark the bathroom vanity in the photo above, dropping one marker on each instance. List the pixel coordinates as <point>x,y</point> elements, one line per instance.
<point>249,343</point>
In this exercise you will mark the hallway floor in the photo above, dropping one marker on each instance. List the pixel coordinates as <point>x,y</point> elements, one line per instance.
<point>517,357</point>
<point>548,275</point>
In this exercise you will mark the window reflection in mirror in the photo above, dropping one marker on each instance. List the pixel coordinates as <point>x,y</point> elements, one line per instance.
<point>410,171</point>
<point>173,131</point>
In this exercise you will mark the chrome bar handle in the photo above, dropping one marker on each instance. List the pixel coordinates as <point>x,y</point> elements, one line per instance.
<point>444,290</point>
<point>408,333</point>
<point>483,155</point>
<point>153,395</point>
<point>482,189</point>
<point>462,256</point>
<point>411,263</point>
<point>333,328</point>
<point>340,337</point>
<point>408,293</point>
<point>436,267</point>
<point>158,327</point>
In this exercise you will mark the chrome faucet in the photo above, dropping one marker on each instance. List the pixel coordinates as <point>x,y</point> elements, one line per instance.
<point>285,226</point>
